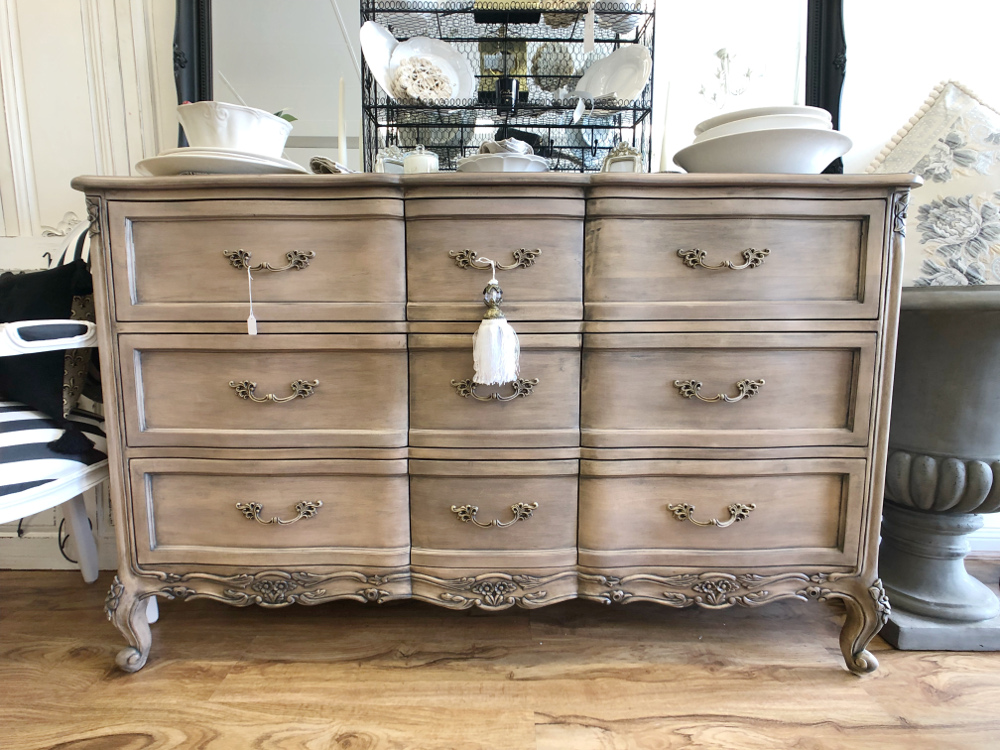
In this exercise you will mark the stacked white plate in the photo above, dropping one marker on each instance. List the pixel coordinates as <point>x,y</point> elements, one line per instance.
<point>769,140</point>
<point>503,162</point>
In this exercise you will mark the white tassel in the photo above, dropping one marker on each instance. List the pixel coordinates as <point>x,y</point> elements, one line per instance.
<point>496,351</point>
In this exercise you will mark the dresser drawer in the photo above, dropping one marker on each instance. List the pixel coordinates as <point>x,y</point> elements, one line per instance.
<point>493,515</point>
<point>185,511</point>
<point>196,390</point>
<point>544,235</point>
<point>445,411</point>
<point>792,512</point>
<point>789,389</point>
<point>659,259</point>
<point>169,262</point>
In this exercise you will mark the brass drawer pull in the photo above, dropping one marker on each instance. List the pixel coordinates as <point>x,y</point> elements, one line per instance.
<point>306,509</point>
<point>300,389</point>
<point>737,512</point>
<point>297,259</point>
<point>522,388</point>
<point>696,258</point>
<point>467,514</point>
<point>523,258</point>
<point>691,388</point>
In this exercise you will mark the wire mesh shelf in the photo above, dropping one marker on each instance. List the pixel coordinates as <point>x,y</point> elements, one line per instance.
<point>546,56</point>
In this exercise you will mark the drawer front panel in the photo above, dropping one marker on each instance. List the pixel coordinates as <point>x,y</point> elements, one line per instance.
<point>812,259</point>
<point>185,511</point>
<point>441,416</point>
<point>816,390</point>
<point>177,390</point>
<point>493,515</point>
<point>169,262</point>
<point>804,511</point>
<point>550,287</point>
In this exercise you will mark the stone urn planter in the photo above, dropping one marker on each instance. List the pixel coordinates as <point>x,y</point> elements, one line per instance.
<point>943,468</point>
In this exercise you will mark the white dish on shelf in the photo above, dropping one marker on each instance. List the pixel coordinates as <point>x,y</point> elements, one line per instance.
<point>623,73</point>
<point>781,151</point>
<point>743,114</point>
<point>190,160</point>
<point>765,122</point>
<point>453,64</point>
<point>503,163</point>
<point>377,45</point>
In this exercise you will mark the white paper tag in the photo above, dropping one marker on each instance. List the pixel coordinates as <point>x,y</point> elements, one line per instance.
<point>588,30</point>
<point>251,321</point>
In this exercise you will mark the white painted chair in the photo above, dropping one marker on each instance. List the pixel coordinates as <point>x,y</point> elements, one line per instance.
<point>33,477</point>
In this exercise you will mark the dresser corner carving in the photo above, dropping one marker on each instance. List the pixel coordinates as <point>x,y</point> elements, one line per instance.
<point>93,216</point>
<point>900,205</point>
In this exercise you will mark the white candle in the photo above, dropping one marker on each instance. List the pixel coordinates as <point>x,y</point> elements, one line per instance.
<point>664,159</point>
<point>341,134</point>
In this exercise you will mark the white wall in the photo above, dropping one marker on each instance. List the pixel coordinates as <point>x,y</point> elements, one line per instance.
<point>898,52</point>
<point>81,94</point>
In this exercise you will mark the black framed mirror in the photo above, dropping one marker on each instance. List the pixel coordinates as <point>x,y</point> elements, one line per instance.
<point>825,56</point>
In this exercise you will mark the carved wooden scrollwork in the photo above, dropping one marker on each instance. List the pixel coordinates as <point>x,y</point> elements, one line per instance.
<point>900,204</point>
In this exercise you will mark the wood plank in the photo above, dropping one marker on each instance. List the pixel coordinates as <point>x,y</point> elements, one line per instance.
<point>407,675</point>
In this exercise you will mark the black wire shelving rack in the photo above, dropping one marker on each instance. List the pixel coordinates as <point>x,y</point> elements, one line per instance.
<point>455,128</point>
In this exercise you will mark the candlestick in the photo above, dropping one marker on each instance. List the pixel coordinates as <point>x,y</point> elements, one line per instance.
<point>341,133</point>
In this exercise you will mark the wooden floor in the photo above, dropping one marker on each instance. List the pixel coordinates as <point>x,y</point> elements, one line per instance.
<point>410,676</point>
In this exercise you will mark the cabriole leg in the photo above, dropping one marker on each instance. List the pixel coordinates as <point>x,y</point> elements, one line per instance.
<point>127,609</point>
<point>867,612</point>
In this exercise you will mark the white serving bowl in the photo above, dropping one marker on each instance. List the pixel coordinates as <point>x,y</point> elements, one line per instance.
<point>743,114</point>
<point>231,126</point>
<point>766,122</point>
<point>502,163</point>
<point>781,151</point>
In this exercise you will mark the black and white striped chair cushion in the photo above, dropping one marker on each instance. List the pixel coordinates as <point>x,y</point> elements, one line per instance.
<point>33,477</point>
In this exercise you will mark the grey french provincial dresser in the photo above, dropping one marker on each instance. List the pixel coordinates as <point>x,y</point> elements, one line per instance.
<point>701,418</point>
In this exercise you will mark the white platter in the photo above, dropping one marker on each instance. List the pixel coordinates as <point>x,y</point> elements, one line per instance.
<point>783,151</point>
<point>741,114</point>
<point>377,44</point>
<point>214,161</point>
<point>452,63</point>
<point>764,122</point>
<point>503,163</point>
<point>623,73</point>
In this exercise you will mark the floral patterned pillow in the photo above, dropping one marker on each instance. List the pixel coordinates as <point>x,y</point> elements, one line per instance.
<point>953,224</point>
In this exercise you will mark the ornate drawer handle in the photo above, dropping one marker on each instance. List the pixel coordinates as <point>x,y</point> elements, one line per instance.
<point>297,259</point>
<point>737,512</point>
<point>691,388</point>
<point>696,258</point>
<point>523,258</point>
<point>522,388</point>
<point>300,389</point>
<point>306,509</point>
<point>467,514</point>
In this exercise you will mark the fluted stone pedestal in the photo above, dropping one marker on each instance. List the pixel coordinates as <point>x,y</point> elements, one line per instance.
<point>943,470</point>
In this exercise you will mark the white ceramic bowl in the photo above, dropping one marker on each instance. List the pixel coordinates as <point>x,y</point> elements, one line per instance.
<point>503,163</point>
<point>742,114</point>
<point>781,151</point>
<point>230,126</point>
<point>766,122</point>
